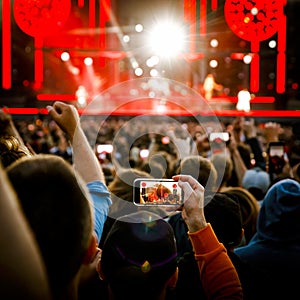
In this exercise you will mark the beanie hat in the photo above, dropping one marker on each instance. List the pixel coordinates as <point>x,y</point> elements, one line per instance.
<point>223,212</point>
<point>256,178</point>
<point>139,249</point>
<point>280,212</point>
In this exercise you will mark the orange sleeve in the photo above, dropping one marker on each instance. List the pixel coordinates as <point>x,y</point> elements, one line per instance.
<point>218,275</point>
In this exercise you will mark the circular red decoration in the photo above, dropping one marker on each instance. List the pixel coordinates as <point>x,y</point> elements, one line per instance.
<point>174,186</point>
<point>253,19</point>
<point>41,17</point>
<point>144,184</point>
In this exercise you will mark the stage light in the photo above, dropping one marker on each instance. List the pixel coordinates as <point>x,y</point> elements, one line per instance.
<point>161,108</point>
<point>213,63</point>
<point>126,38</point>
<point>74,71</point>
<point>134,63</point>
<point>214,43</point>
<point>152,61</point>
<point>65,56</point>
<point>88,61</point>
<point>244,98</point>
<point>272,44</point>
<point>81,95</point>
<point>166,39</point>
<point>247,59</point>
<point>138,72</point>
<point>153,73</point>
<point>139,27</point>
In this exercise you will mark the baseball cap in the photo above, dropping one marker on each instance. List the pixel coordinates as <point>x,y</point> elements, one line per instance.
<point>257,179</point>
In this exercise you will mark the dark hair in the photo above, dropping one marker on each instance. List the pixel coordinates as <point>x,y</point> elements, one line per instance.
<point>249,209</point>
<point>201,169</point>
<point>58,209</point>
<point>224,213</point>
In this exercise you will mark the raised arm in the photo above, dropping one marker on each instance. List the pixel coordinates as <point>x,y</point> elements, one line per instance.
<point>218,275</point>
<point>84,159</point>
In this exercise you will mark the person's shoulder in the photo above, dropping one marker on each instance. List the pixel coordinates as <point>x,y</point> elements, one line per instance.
<point>97,186</point>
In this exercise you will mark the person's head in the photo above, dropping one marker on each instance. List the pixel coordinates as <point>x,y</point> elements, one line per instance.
<point>58,208</point>
<point>223,212</point>
<point>257,182</point>
<point>139,257</point>
<point>10,150</point>
<point>279,215</point>
<point>249,209</point>
<point>201,169</point>
<point>121,187</point>
<point>224,167</point>
<point>164,159</point>
<point>22,274</point>
<point>153,168</point>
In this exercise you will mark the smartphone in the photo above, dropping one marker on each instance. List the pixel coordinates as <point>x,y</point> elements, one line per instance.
<point>276,158</point>
<point>151,192</point>
<point>219,136</point>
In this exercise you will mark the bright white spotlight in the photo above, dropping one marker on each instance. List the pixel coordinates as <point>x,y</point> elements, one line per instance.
<point>139,28</point>
<point>81,95</point>
<point>244,98</point>
<point>214,43</point>
<point>138,71</point>
<point>272,44</point>
<point>247,59</point>
<point>161,108</point>
<point>153,73</point>
<point>213,63</point>
<point>152,61</point>
<point>65,56</point>
<point>88,61</point>
<point>126,38</point>
<point>74,71</point>
<point>167,39</point>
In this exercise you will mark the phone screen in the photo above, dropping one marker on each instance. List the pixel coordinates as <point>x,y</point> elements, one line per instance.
<point>104,148</point>
<point>276,160</point>
<point>157,192</point>
<point>222,136</point>
<point>276,151</point>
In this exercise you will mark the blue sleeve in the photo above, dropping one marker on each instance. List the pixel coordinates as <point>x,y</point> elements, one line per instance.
<point>101,202</point>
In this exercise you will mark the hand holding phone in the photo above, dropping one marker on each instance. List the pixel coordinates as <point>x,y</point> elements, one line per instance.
<point>276,158</point>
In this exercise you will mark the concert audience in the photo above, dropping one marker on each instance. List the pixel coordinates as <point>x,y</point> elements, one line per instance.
<point>229,164</point>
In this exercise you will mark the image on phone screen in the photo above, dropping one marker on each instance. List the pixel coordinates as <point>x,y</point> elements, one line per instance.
<point>157,192</point>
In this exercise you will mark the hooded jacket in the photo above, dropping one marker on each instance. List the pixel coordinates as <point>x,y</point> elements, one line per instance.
<point>275,249</point>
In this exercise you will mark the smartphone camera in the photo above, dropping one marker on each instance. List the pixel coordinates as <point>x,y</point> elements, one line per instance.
<point>152,192</point>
